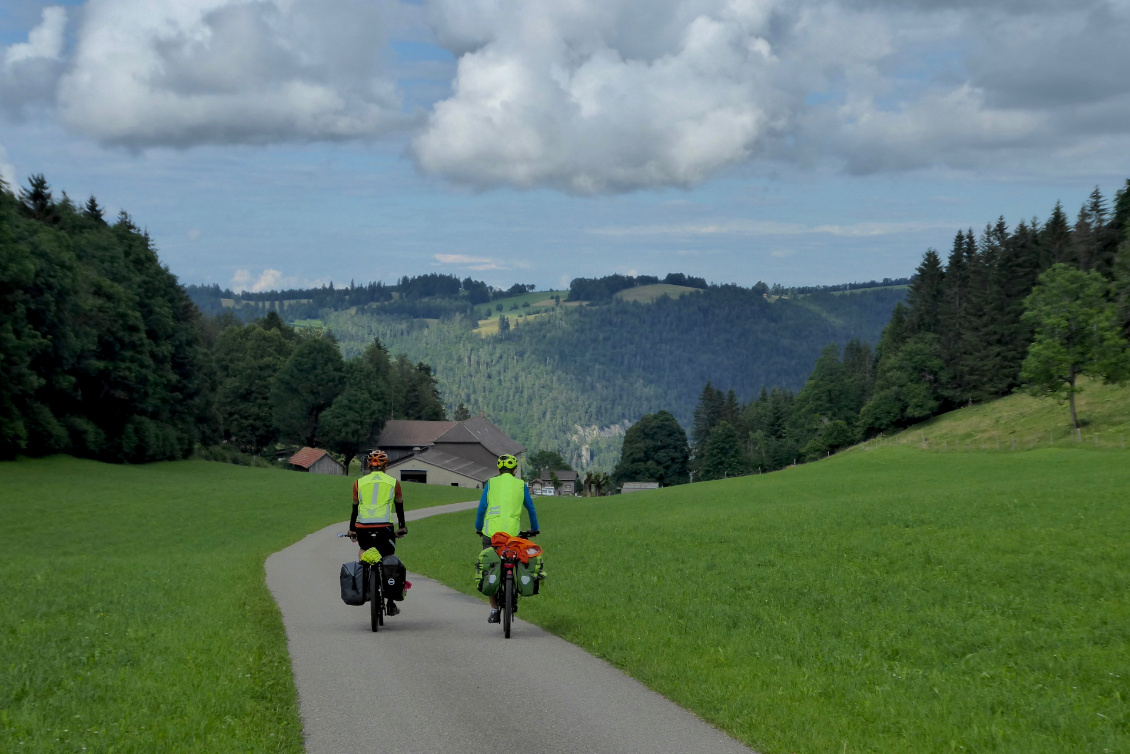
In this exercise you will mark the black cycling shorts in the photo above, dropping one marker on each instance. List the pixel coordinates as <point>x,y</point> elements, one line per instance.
<point>383,539</point>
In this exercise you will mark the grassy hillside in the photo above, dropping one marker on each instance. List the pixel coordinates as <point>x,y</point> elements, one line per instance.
<point>645,294</point>
<point>135,614</point>
<point>513,305</point>
<point>1103,410</point>
<point>889,601</point>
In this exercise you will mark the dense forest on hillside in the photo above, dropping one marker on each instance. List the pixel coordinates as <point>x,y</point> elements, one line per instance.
<point>1032,307</point>
<point>573,380</point>
<point>101,355</point>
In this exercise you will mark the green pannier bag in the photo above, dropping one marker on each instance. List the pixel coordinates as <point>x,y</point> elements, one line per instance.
<point>488,572</point>
<point>529,577</point>
<point>526,581</point>
<point>537,572</point>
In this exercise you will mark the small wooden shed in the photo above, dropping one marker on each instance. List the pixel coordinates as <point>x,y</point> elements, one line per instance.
<point>315,461</point>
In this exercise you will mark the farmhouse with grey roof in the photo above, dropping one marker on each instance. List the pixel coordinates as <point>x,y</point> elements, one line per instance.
<point>461,454</point>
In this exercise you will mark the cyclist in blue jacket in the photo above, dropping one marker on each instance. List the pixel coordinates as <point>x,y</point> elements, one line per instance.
<point>500,509</point>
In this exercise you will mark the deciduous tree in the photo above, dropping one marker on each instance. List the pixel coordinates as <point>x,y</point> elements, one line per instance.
<point>1076,333</point>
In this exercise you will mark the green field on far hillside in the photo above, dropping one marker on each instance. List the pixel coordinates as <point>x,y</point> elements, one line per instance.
<point>645,294</point>
<point>135,614</point>
<point>887,601</point>
<point>538,301</point>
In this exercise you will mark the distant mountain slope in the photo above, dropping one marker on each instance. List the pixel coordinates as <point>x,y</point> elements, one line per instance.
<point>575,378</point>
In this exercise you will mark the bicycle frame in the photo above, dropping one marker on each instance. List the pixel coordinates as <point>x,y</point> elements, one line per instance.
<point>374,589</point>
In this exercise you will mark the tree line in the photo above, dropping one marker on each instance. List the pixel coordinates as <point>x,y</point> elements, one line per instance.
<point>101,352</point>
<point>1033,307</point>
<point>432,295</point>
<point>601,290</point>
<point>105,355</point>
<point>277,384</point>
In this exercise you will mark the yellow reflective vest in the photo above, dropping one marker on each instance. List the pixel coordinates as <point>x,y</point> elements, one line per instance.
<point>505,496</point>
<point>375,495</point>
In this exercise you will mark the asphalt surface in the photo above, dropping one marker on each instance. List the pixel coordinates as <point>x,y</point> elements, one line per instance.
<point>438,678</point>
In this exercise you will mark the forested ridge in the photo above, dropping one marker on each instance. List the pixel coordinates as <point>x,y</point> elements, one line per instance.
<point>575,379</point>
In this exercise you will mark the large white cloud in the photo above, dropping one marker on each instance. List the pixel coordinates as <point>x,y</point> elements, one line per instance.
<point>598,96</point>
<point>183,72</point>
<point>609,95</point>
<point>574,95</point>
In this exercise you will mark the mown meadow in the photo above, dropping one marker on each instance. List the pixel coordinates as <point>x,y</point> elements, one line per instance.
<point>135,613</point>
<point>883,601</point>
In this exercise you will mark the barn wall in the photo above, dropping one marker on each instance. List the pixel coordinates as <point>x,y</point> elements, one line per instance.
<point>436,475</point>
<point>327,465</point>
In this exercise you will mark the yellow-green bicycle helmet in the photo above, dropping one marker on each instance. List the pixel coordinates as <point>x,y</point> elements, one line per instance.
<point>507,462</point>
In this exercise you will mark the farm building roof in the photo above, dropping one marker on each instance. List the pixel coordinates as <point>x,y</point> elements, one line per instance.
<point>404,433</point>
<point>448,462</point>
<point>479,429</point>
<point>306,457</point>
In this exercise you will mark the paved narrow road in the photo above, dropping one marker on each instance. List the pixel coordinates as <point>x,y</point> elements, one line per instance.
<point>428,682</point>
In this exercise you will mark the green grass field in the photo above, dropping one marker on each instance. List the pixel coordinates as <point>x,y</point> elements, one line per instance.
<point>645,294</point>
<point>135,614</point>
<point>888,601</point>
<point>538,301</point>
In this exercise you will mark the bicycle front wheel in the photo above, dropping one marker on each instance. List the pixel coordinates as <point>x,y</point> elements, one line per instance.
<point>507,603</point>
<point>376,600</point>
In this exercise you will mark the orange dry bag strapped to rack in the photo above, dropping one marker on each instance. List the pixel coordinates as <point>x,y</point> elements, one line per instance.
<point>515,547</point>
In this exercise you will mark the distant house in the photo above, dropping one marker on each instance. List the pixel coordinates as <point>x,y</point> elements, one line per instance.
<point>567,483</point>
<point>459,454</point>
<point>638,487</point>
<point>316,462</point>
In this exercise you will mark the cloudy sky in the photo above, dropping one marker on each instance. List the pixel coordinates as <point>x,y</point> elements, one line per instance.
<point>269,143</point>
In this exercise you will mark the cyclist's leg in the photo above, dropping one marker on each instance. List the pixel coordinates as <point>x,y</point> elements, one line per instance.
<point>494,597</point>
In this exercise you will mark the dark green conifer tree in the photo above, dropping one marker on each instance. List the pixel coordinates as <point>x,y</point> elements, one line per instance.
<point>723,455</point>
<point>707,414</point>
<point>926,294</point>
<point>1056,246</point>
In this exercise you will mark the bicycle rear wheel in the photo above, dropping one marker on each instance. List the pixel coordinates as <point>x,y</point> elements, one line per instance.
<point>376,599</point>
<point>507,603</point>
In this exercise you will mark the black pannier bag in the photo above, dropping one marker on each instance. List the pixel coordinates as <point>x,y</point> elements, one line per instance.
<point>396,575</point>
<point>353,583</point>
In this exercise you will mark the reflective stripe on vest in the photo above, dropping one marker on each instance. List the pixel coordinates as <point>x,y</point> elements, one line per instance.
<point>505,496</point>
<point>375,494</point>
